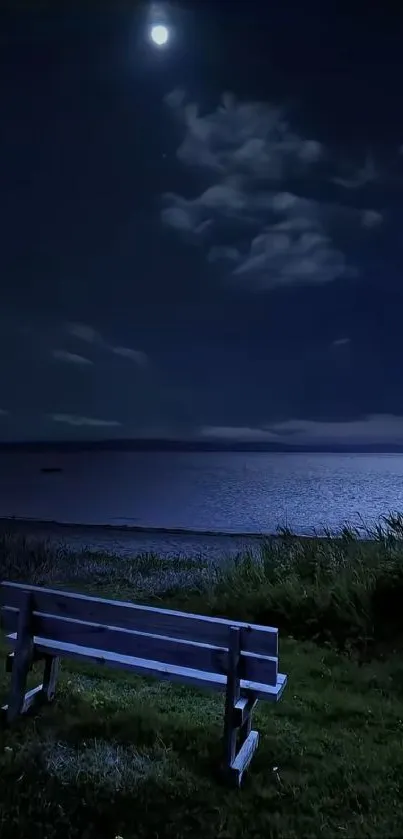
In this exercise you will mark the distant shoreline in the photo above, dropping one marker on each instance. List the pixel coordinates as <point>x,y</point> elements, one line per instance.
<point>130,541</point>
<point>155,446</point>
<point>15,522</point>
<point>32,524</point>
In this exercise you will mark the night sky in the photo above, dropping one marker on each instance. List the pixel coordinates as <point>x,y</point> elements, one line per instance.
<point>205,239</point>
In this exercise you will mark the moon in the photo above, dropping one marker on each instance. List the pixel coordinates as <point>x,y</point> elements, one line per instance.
<point>159,34</point>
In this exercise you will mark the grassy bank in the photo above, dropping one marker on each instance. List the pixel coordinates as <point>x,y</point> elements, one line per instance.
<point>123,756</point>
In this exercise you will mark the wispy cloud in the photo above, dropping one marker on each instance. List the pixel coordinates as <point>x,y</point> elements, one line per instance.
<point>225,253</point>
<point>360,177</point>
<point>375,428</point>
<point>371,218</point>
<point>251,154</point>
<point>84,332</point>
<point>72,358</point>
<point>286,256</point>
<point>137,356</point>
<point>372,430</point>
<point>237,433</point>
<point>177,217</point>
<point>341,342</point>
<point>72,419</point>
<point>251,137</point>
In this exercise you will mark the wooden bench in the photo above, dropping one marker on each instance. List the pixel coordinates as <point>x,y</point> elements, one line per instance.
<point>239,659</point>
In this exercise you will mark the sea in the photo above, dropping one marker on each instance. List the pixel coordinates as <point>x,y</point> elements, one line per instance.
<point>194,503</point>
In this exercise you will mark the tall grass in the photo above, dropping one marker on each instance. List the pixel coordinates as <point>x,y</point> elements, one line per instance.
<point>344,590</point>
<point>42,562</point>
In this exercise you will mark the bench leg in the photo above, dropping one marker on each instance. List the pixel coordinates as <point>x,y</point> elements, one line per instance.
<point>248,740</point>
<point>43,693</point>
<point>238,718</point>
<point>21,662</point>
<point>244,757</point>
<point>245,728</point>
<point>50,676</point>
<point>231,697</point>
<point>10,660</point>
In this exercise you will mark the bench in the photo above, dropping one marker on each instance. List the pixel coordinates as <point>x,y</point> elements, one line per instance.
<point>238,659</point>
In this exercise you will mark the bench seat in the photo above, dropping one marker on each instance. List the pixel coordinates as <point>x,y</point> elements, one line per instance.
<point>145,667</point>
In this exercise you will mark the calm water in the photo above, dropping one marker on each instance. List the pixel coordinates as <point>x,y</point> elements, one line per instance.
<point>233,493</point>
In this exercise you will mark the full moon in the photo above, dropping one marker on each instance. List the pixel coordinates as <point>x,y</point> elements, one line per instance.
<point>159,34</point>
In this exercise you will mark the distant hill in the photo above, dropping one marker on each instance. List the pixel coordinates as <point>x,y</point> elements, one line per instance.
<point>161,445</point>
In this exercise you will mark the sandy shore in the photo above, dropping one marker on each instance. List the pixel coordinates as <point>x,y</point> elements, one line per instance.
<point>125,541</point>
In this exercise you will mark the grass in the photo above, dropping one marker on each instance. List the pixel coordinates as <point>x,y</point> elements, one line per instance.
<point>117,755</point>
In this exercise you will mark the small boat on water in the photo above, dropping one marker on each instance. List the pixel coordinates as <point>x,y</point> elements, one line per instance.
<point>49,469</point>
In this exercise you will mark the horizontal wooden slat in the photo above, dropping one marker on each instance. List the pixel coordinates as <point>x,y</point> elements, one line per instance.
<point>196,678</point>
<point>154,647</point>
<point>182,625</point>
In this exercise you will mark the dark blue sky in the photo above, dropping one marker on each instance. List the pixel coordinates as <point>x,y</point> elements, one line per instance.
<point>202,240</point>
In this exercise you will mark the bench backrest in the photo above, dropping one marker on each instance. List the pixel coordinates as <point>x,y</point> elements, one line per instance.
<point>175,638</point>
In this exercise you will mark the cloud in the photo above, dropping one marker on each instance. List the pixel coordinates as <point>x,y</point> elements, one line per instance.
<point>72,358</point>
<point>267,234</point>
<point>72,419</point>
<point>249,137</point>
<point>90,335</point>
<point>372,430</point>
<point>137,356</point>
<point>293,246</point>
<point>224,253</point>
<point>178,217</point>
<point>341,342</point>
<point>360,177</point>
<point>84,332</point>
<point>4,412</point>
<point>226,196</point>
<point>371,218</point>
<point>237,433</point>
<point>277,257</point>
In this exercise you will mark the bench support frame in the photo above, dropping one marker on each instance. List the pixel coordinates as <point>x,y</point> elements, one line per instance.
<point>237,716</point>
<point>20,662</point>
